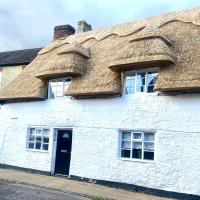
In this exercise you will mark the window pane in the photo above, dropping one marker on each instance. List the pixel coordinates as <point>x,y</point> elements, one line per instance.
<point>59,83</point>
<point>151,80</point>
<point>68,81</point>
<point>130,83</point>
<point>148,155</point>
<point>46,139</point>
<point>140,88</point>
<point>137,145</point>
<point>45,147</point>
<point>39,131</point>
<point>57,87</point>
<point>31,145</point>
<point>137,153</point>
<point>140,82</point>
<point>59,94</point>
<point>38,138</point>
<point>38,145</point>
<point>149,146</point>
<point>126,136</point>
<point>126,145</point>
<point>125,153</point>
<point>51,94</point>
<point>130,90</point>
<point>46,132</point>
<point>137,150</point>
<point>31,138</point>
<point>32,131</point>
<point>137,135</point>
<point>150,88</point>
<point>148,136</point>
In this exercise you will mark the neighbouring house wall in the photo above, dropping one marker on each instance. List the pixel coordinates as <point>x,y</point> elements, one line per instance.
<point>9,73</point>
<point>95,143</point>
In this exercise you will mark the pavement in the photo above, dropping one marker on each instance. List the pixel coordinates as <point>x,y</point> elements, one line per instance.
<point>13,191</point>
<point>69,187</point>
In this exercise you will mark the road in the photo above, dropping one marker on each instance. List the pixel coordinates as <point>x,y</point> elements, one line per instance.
<point>13,191</point>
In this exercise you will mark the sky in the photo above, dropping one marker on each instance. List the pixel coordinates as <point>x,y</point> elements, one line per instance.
<point>29,23</point>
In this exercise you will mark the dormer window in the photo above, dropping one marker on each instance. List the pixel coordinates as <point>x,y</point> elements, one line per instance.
<point>58,87</point>
<point>140,81</point>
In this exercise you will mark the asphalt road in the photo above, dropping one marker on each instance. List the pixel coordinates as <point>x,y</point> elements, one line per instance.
<point>13,191</point>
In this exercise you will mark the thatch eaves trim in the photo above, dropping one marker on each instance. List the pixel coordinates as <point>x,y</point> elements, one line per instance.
<point>141,62</point>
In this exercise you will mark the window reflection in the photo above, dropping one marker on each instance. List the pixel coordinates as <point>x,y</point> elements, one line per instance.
<point>140,82</point>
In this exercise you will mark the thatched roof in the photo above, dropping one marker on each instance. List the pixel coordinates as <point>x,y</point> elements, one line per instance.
<point>70,60</point>
<point>144,49</point>
<point>173,44</point>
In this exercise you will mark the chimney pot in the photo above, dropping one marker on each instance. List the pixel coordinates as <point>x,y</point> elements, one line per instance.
<point>83,26</point>
<point>63,31</point>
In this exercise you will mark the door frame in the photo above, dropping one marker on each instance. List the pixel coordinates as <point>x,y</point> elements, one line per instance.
<point>54,147</point>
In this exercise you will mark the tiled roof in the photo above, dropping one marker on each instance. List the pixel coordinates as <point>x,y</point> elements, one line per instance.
<point>18,57</point>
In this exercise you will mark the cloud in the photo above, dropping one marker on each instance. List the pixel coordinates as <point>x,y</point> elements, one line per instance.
<point>29,24</point>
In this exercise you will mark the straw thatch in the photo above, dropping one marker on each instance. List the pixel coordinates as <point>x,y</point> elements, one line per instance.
<point>174,47</point>
<point>144,50</point>
<point>70,60</point>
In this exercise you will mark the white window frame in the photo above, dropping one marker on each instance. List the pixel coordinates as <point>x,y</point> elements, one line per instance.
<point>146,71</point>
<point>136,140</point>
<point>34,142</point>
<point>57,79</point>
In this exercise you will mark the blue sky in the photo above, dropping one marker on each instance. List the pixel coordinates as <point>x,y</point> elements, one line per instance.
<point>30,23</point>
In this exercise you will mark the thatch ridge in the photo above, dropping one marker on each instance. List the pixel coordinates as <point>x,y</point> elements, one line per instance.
<point>75,47</point>
<point>177,42</point>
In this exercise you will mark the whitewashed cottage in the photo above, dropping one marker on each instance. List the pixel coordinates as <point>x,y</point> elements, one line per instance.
<point>119,106</point>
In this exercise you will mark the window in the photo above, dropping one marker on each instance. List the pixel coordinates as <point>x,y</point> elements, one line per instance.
<point>57,87</point>
<point>38,138</point>
<point>137,145</point>
<point>140,82</point>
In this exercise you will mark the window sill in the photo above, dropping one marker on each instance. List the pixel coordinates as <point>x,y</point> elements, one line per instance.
<point>38,151</point>
<point>142,93</point>
<point>64,98</point>
<point>137,160</point>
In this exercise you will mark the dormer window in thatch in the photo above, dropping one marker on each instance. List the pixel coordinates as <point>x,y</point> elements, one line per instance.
<point>140,81</point>
<point>70,60</point>
<point>144,51</point>
<point>57,87</point>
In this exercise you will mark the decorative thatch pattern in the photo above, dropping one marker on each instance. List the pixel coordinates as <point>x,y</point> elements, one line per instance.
<point>176,41</point>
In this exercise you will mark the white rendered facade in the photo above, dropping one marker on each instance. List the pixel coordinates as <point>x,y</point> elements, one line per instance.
<point>96,124</point>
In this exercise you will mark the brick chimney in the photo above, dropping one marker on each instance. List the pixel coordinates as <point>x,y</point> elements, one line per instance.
<point>63,31</point>
<point>83,26</point>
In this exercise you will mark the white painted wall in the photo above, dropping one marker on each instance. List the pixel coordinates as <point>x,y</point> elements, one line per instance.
<point>95,126</point>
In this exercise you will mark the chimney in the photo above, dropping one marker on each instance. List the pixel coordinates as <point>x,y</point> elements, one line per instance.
<point>63,31</point>
<point>83,26</point>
